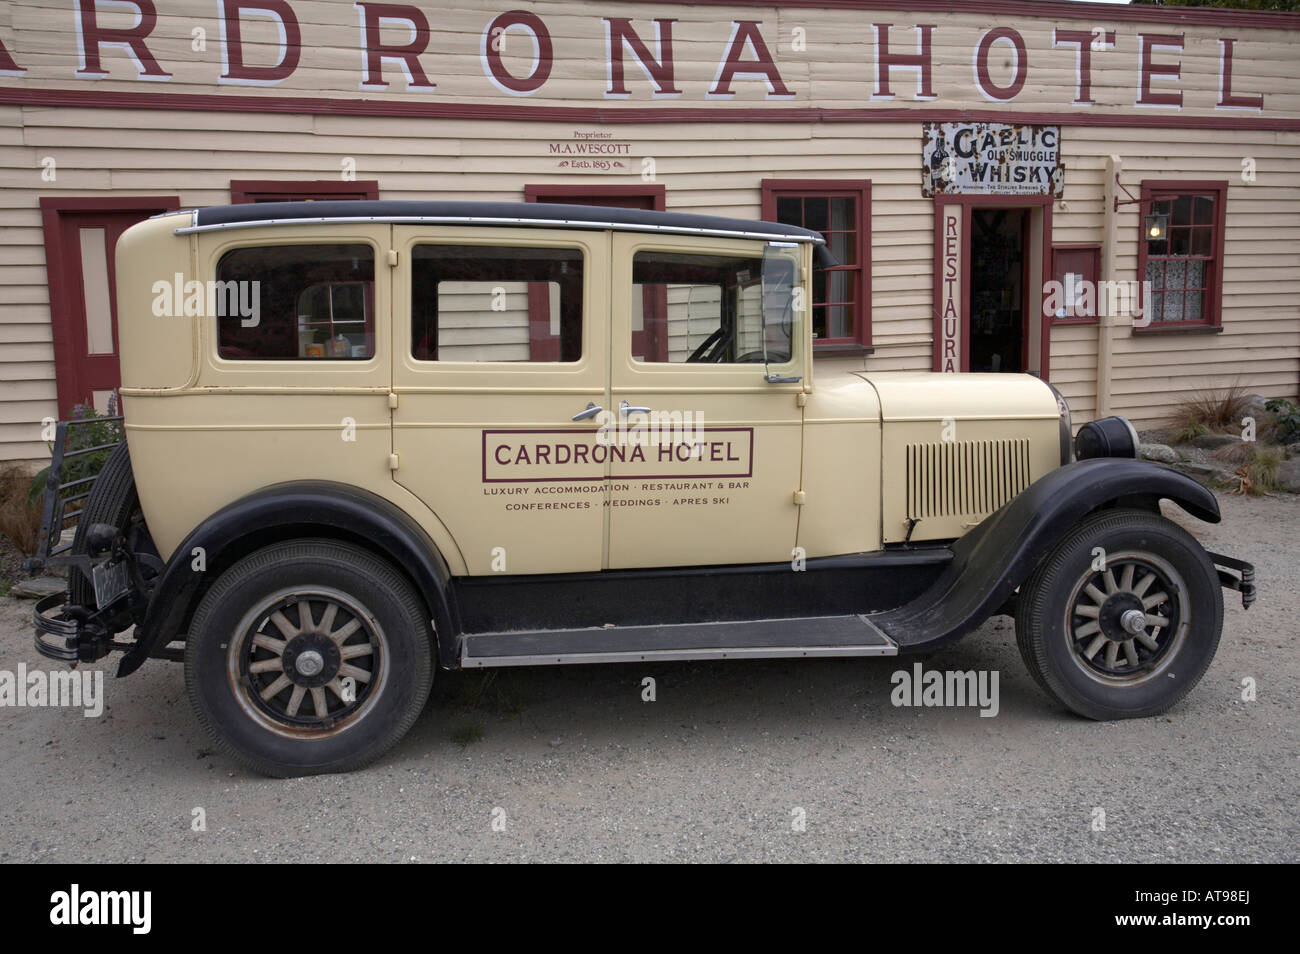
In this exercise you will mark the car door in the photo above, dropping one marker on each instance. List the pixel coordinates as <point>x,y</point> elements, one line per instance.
<point>501,341</point>
<point>712,447</point>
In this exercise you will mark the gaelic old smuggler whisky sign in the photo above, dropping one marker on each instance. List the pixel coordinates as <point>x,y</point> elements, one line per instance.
<point>991,159</point>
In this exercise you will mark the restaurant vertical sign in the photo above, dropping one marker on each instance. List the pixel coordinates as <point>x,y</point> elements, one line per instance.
<point>948,296</point>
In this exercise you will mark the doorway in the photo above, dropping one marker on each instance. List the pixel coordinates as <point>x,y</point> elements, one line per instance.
<point>992,260</point>
<point>998,270</point>
<point>80,243</point>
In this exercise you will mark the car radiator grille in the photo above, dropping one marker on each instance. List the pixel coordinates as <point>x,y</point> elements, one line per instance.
<point>958,478</point>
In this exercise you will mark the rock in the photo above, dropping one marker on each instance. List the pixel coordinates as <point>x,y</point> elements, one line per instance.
<point>1161,453</point>
<point>1288,476</point>
<point>1156,435</point>
<point>1205,473</point>
<point>1255,406</point>
<point>1293,450</point>
<point>39,586</point>
<point>1214,441</point>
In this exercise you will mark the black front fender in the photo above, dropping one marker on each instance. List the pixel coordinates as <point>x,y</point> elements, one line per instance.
<point>995,558</point>
<point>304,508</point>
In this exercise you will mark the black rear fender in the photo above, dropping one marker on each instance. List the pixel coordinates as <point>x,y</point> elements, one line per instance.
<point>309,509</point>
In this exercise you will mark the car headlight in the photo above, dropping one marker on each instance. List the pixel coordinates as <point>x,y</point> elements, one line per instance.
<point>1107,437</point>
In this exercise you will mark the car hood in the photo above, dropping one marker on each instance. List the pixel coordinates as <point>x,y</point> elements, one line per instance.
<point>933,395</point>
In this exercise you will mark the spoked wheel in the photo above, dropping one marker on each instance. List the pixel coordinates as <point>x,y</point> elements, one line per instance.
<point>308,662</point>
<point>1132,637</point>
<point>1128,619</point>
<point>307,657</point>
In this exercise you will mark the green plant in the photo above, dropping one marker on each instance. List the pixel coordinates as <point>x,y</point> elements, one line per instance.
<point>1263,469</point>
<point>1187,431</point>
<point>98,432</point>
<point>1287,428</point>
<point>1206,412</point>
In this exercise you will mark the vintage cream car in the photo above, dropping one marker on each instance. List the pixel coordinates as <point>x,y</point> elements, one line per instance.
<point>366,439</point>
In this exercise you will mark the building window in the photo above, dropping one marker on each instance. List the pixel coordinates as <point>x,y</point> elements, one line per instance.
<point>271,190</point>
<point>840,209</point>
<point>1183,264</point>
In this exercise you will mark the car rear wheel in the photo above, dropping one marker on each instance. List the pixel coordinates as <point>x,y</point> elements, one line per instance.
<point>1123,617</point>
<point>308,657</point>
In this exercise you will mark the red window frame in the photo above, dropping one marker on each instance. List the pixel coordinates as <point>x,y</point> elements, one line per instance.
<point>1158,192</point>
<point>652,341</point>
<point>1079,258</point>
<point>860,190</point>
<point>243,191</point>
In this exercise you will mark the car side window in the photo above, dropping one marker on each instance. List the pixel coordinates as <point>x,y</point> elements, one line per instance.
<point>484,303</point>
<point>695,308</point>
<point>284,302</point>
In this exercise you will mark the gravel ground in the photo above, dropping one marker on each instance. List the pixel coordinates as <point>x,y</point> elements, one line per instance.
<point>719,768</point>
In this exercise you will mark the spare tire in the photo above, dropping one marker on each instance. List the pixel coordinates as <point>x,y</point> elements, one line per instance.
<point>113,500</point>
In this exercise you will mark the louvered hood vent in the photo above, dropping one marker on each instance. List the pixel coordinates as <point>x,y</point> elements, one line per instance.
<point>964,478</point>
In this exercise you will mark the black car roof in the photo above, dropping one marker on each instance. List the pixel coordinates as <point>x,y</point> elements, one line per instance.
<point>538,214</point>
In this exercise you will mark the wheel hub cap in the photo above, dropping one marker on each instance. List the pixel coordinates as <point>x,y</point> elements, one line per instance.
<point>311,660</point>
<point>1133,621</point>
<point>310,663</point>
<point>1122,616</point>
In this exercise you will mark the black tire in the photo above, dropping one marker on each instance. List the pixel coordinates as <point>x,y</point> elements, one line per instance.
<point>1072,637</point>
<point>231,658</point>
<point>113,500</point>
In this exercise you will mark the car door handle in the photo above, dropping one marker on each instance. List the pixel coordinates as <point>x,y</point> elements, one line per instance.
<point>625,409</point>
<point>590,411</point>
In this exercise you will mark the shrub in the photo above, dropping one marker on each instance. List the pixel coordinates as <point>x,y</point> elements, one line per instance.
<point>1238,454</point>
<point>1206,412</point>
<point>1263,469</point>
<point>1287,427</point>
<point>20,516</point>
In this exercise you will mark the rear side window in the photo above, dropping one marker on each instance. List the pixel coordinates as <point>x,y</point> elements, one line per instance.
<point>496,303</point>
<point>312,302</point>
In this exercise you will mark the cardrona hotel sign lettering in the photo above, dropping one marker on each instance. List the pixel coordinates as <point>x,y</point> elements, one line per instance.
<point>394,49</point>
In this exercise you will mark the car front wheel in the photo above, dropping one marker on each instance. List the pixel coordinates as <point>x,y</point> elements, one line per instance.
<point>307,657</point>
<point>1123,617</point>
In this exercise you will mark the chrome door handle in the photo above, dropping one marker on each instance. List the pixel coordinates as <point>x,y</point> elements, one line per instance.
<point>625,409</point>
<point>590,411</point>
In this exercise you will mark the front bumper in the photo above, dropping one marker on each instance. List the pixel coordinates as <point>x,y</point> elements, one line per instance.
<point>1243,581</point>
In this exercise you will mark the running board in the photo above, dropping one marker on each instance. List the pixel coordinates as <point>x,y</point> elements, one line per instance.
<point>807,636</point>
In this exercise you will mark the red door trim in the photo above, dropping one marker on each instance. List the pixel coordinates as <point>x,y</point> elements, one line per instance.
<point>65,289</point>
<point>1033,305</point>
